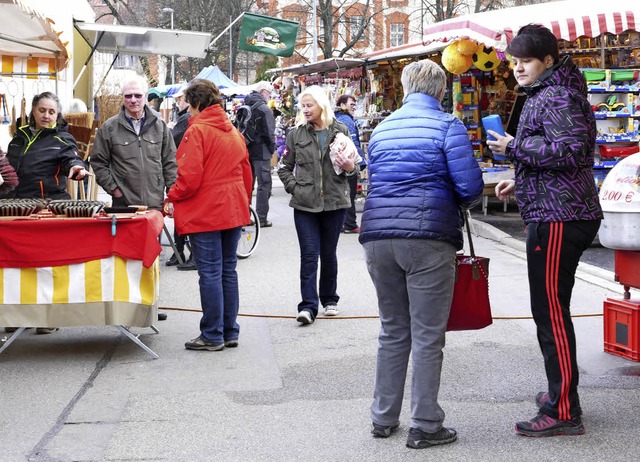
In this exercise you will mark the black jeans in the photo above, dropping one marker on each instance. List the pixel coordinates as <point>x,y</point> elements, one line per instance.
<point>261,170</point>
<point>553,252</point>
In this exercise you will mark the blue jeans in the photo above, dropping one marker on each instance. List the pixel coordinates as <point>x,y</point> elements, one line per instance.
<point>318,235</point>
<point>215,256</point>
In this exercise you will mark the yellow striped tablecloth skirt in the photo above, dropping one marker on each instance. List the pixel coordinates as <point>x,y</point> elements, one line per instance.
<point>110,291</point>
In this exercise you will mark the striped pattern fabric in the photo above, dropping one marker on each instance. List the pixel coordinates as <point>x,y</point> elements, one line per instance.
<point>112,279</point>
<point>32,66</point>
<point>568,20</point>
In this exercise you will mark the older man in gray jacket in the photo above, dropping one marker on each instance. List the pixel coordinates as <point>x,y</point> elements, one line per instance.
<point>134,156</point>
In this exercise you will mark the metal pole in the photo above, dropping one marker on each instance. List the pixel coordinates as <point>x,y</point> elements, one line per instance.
<point>173,59</point>
<point>230,47</point>
<point>314,29</point>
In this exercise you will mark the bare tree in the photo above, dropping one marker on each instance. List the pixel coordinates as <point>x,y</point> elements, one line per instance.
<point>196,15</point>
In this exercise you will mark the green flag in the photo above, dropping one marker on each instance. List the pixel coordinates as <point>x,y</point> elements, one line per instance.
<point>264,34</point>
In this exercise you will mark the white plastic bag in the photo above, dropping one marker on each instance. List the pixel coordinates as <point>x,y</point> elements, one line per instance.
<point>343,145</point>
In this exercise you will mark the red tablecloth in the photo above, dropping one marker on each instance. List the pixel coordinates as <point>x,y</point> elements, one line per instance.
<point>29,243</point>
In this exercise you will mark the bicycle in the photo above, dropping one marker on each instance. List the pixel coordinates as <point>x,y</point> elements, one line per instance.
<point>249,236</point>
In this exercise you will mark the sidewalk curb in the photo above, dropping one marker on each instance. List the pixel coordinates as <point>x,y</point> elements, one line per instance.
<point>586,272</point>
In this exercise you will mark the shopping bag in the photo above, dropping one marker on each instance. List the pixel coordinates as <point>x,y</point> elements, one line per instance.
<point>470,307</point>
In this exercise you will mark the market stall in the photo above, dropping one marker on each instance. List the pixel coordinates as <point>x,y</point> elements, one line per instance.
<point>58,271</point>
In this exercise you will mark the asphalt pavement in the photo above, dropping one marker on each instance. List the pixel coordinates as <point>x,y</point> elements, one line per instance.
<point>292,393</point>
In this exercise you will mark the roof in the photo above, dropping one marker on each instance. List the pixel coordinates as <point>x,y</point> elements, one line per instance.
<point>568,20</point>
<point>144,41</point>
<point>326,65</point>
<point>26,31</point>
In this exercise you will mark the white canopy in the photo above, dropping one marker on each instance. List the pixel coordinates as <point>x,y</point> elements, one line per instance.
<point>144,41</point>
<point>568,20</point>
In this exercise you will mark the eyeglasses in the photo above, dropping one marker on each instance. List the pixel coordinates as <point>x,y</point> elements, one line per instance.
<point>133,95</point>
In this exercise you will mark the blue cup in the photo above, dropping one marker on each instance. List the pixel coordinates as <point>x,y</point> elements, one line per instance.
<point>492,122</point>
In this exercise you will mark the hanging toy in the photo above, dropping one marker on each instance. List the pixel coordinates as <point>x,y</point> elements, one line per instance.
<point>453,61</point>
<point>485,58</point>
<point>467,47</point>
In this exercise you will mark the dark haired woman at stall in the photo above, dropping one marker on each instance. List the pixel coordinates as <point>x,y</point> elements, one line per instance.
<point>43,153</point>
<point>554,187</point>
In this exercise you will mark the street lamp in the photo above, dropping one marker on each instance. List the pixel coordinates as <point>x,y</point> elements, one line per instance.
<point>173,58</point>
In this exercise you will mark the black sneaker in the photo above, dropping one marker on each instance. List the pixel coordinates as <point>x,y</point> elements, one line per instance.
<point>542,397</point>
<point>200,344</point>
<point>189,265</point>
<point>419,440</point>
<point>231,343</point>
<point>544,425</point>
<point>381,431</point>
<point>266,224</point>
<point>162,316</point>
<point>173,261</point>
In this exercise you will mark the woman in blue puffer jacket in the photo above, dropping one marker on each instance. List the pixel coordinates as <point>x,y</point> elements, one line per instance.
<point>422,173</point>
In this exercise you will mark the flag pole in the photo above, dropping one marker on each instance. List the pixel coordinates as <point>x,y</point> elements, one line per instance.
<point>213,42</point>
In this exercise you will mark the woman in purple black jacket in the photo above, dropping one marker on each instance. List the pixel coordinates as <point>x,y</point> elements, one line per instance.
<point>553,155</point>
<point>422,173</point>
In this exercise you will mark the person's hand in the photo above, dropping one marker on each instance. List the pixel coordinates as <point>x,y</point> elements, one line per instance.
<point>167,209</point>
<point>117,193</point>
<point>78,172</point>
<point>345,163</point>
<point>505,188</point>
<point>499,146</point>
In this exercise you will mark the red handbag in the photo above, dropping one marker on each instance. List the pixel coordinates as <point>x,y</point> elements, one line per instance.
<point>470,307</point>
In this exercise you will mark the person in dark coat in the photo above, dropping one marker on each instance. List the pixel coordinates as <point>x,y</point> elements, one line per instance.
<point>178,131</point>
<point>346,106</point>
<point>43,153</point>
<point>556,193</point>
<point>261,149</point>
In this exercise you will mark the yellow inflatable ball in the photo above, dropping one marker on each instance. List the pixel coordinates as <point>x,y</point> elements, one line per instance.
<point>467,47</point>
<point>454,62</point>
<point>485,58</point>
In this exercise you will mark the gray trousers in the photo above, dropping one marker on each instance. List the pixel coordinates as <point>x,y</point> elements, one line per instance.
<point>261,170</point>
<point>414,281</point>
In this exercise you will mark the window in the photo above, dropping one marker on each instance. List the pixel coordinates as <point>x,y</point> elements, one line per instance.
<point>396,35</point>
<point>356,23</point>
<point>125,62</point>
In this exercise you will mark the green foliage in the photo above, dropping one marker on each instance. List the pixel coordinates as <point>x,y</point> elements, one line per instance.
<point>268,62</point>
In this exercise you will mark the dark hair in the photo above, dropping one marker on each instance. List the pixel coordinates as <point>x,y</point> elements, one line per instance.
<point>344,99</point>
<point>202,93</point>
<point>534,41</point>
<point>46,95</point>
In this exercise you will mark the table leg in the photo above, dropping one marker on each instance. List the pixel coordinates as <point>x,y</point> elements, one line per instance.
<point>8,341</point>
<point>137,341</point>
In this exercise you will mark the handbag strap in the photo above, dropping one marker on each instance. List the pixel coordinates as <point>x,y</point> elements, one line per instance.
<point>466,214</point>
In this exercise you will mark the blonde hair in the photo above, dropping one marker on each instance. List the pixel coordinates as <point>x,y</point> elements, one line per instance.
<point>322,99</point>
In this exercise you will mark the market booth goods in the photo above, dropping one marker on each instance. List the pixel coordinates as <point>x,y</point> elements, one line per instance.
<point>59,271</point>
<point>620,230</point>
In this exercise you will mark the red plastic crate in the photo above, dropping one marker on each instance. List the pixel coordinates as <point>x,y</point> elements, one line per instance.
<point>622,328</point>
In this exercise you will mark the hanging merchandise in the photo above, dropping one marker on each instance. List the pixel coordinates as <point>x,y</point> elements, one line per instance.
<point>5,110</point>
<point>485,58</point>
<point>455,62</point>
<point>467,47</point>
<point>12,89</point>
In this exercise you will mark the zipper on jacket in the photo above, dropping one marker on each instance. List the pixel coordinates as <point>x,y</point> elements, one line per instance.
<point>143,179</point>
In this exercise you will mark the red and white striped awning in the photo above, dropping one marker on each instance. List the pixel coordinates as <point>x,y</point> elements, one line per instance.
<point>568,20</point>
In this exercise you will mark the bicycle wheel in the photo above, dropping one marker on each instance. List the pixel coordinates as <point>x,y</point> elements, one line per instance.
<point>249,236</point>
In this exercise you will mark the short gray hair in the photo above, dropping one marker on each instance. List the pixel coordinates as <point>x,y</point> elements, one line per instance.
<point>263,85</point>
<point>424,76</point>
<point>139,80</point>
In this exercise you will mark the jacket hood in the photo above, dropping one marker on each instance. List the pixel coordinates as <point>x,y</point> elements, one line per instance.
<point>215,116</point>
<point>253,98</point>
<point>564,74</point>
